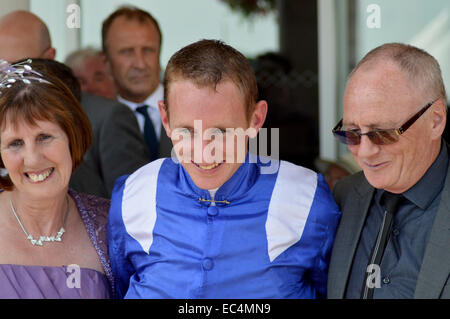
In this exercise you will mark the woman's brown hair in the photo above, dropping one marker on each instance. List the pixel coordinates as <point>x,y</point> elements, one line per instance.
<point>46,101</point>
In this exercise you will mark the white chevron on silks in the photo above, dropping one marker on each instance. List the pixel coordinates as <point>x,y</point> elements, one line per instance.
<point>289,207</point>
<point>139,217</point>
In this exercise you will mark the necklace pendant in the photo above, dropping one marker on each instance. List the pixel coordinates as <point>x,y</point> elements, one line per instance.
<point>59,234</point>
<point>32,240</point>
<point>39,242</point>
<point>35,242</point>
<point>42,239</point>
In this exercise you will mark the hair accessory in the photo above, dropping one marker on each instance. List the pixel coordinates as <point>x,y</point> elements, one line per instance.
<point>22,71</point>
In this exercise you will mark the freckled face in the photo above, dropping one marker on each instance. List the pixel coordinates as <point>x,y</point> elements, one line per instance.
<point>37,158</point>
<point>216,110</point>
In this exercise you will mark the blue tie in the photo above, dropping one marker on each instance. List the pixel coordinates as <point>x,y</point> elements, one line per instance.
<point>149,132</point>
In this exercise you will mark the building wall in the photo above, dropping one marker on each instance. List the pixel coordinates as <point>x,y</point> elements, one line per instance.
<point>8,6</point>
<point>182,22</point>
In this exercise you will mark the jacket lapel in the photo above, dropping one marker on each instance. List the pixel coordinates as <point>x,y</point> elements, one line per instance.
<point>351,228</point>
<point>435,268</point>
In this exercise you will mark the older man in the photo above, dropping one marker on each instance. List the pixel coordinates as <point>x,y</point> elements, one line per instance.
<point>89,66</point>
<point>131,41</point>
<point>118,147</point>
<point>24,35</point>
<point>220,226</point>
<point>394,237</point>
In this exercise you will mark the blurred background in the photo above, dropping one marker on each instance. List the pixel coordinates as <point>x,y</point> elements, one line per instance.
<point>302,51</point>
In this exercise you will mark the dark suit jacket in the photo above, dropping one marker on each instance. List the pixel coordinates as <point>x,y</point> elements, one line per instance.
<point>353,194</point>
<point>118,147</point>
<point>165,144</point>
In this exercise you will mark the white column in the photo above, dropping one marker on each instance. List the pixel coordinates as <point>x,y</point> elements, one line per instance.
<point>54,13</point>
<point>327,77</point>
<point>72,35</point>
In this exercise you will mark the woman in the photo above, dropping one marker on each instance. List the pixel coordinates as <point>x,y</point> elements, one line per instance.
<point>52,239</point>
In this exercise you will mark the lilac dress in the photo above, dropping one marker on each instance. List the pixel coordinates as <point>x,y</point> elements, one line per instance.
<point>33,282</point>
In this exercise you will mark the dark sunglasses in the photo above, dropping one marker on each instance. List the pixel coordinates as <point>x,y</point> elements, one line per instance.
<point>378,137</point>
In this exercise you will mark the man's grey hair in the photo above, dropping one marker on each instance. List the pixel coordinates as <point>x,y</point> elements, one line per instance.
<point>421,68</point>
<point>76,59</point>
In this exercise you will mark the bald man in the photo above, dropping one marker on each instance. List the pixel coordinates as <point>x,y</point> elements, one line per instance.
<point>394,236</point>
<point>24,35</point>
<point>118,147</point>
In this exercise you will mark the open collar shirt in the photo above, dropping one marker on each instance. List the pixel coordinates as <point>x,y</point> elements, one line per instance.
<point>405,249</point>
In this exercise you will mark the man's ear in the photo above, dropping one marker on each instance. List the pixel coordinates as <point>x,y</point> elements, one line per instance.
<point>439,118</point>
<point>105,60</point>
<point>107,63</point>
<point>164,117</point>
<point>49,54</point>
<point>258,116</point>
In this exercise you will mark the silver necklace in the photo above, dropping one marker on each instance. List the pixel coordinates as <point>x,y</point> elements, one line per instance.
<point>42,239</point>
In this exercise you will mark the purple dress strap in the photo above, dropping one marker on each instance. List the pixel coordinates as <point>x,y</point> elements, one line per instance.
<point>94,213</point>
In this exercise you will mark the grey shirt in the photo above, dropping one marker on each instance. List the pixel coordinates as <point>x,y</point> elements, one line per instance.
<point>404,252</point>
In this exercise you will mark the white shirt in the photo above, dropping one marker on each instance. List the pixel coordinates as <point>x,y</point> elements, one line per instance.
<point>153,111</point>
<point>212,193</point>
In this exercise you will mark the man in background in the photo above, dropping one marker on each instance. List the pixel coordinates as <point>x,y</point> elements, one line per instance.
<point>24,35</point>
<point>89,67</point>
<point>118,147</point>
<point>131,42</point>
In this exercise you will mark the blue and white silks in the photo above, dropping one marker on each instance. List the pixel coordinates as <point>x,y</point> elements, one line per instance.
<point>272,239</point>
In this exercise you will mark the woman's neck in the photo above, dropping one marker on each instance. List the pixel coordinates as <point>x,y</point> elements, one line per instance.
<point>40,217</point>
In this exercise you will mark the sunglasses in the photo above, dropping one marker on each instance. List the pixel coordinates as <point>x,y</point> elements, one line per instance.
<point>378,137</point>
